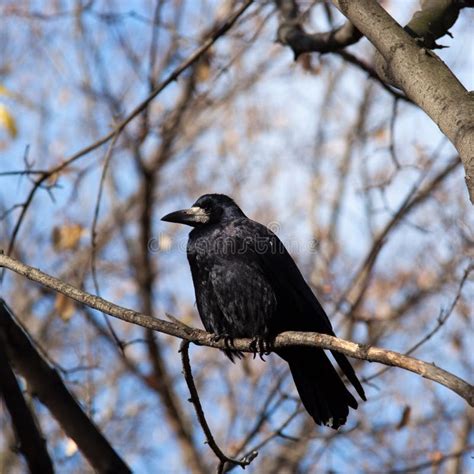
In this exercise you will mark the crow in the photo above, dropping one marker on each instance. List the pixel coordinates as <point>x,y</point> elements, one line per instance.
<point>248,286</point>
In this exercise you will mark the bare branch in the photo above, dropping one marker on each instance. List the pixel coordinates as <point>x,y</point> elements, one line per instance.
<point>286,339</point>
<point>45,383</point>
<point>188,377</point>
<point>355,292</point>
<point>433,20</point>
<point>291,33</point>
<point>107,159</point>
<point>421,75</point>
<point>31,443</point>
<point>173,76</point>
<point>433,463</point>
<point>352,59</point>
<point>442,318</point>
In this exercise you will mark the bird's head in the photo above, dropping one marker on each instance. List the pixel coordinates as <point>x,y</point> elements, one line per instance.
<point>208,209</point>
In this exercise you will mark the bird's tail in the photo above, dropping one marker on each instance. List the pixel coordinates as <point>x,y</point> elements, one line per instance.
<point>321,390</point>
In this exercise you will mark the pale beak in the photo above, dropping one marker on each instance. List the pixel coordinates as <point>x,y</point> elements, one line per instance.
<point>192,216</point>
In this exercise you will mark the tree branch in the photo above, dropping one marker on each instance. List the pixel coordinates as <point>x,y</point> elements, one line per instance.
<point>45,383</point>
<point>433,463</point>
<point>285,339</point>
<point>31,443</point>
<point>421,75</point>
<point>404,59</point>
<point>433,20</point>
<point>214,35</point>
<point>188,377</point>
<point>291,33</point>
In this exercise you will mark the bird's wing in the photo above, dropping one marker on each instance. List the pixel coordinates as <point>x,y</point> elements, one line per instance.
<point>245,297</point>
<point>298,307</point>
<point>266,251</point>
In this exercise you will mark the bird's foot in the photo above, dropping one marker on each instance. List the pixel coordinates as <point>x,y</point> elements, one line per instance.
<point>228,340</point>
<point>260,346</point>
<point>229,350</point>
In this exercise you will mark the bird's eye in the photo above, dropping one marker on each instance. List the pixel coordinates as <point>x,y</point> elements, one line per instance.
<point>206,205</point>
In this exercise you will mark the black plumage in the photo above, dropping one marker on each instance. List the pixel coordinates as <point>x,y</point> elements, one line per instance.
<point>247,285</point>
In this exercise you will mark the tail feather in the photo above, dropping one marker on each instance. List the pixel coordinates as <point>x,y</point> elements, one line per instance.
<point>320,388</point>
<point>346,367</point>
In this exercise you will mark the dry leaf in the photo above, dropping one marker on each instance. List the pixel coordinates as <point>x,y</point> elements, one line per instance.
<point>67,237</point>
<point>7,121</point>
<point>405,418</point>
<point>64,307</point>
<point>306,62</point>
<point>4,91</point>
<point>203,68</point>
<point>380,134</point>
<point>436,457</point>
<point>52,179</point>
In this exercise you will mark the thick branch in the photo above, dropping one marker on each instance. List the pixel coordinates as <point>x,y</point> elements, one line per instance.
<point>290,338</point>
<point>31,444</point>
<point>421,75</point>
<point>433,20</point>
<point>291,33</point>
<point>403,60</point>
<point>45,383</point>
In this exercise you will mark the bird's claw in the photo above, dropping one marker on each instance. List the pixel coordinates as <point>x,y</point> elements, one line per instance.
<point>228,340</point>
<point>260,346</point>
<point>229,350</point>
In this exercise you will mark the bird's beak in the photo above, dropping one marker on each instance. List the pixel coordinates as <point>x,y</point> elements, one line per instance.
<point>192,216</point>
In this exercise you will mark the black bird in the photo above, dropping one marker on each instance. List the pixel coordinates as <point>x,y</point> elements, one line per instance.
<point>247,285</point>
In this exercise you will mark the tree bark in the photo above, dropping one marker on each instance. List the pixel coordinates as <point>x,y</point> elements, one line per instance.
<point>421,75</point>
<point>30,440</point>
<point>45,383</point>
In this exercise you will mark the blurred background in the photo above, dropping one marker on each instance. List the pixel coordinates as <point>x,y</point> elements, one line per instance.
<point>364,190</point>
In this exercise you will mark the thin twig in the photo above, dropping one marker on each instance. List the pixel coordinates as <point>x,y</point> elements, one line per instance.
<point>173,76</point>
<point>352,59</point>
<point>355,291</point>
<point>188,377</point>
<point>433,463</point>
<point>278,433</point>
<point>393,119</point>
<point>107,159</point>
<point>442,318</point>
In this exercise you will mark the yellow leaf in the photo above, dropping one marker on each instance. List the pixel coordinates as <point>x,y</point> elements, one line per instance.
<point>203,68</point>
<point>64,306</point>
<point>203,72</point>
<point>7,121</point>
<point>380,134</point>
<point>67,237</point>
<point>4,91</point>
